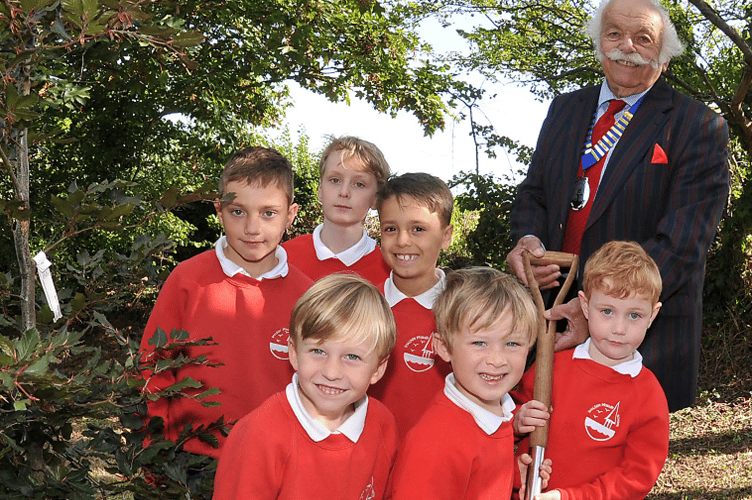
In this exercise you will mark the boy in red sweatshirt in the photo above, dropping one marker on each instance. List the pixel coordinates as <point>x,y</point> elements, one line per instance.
<point>240,294</point>
<point>415,212</point>
<point>463,445</point>
<point>321,438</point>
<point>351,172</point>
<point>608,433</point>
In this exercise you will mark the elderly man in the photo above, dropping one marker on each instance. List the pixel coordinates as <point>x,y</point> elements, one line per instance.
<point>659,177</point>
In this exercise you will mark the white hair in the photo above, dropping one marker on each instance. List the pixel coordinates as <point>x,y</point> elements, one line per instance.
<point>671,46</point>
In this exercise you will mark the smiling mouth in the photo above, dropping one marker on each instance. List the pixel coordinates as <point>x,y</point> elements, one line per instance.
<point>329,390</point>
<point>491,378</point>
<point>405,257</point>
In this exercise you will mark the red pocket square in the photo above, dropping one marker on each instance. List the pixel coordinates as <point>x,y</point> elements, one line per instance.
<point>659,155</point>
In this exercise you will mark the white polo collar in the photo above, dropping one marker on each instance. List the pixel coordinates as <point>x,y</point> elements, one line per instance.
<point>231,269</point>
<point>488,421</point>
<point>351,428</point>
<point>363,247</point>
<point>631,367</point>
<point>425,299</point>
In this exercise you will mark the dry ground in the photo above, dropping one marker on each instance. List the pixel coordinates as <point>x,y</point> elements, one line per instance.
<point>710,453</point>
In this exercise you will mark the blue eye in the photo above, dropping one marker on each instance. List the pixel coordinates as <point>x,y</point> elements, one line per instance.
<point>352,357</point>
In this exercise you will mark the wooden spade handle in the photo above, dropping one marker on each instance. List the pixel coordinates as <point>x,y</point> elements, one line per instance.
<point>544,361</point>
<point>561,259</point>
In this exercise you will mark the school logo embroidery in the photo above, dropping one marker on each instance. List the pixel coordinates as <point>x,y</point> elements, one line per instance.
<point>602,421</point>
<point>369,493</point>
<point>278,345</point>
<point>419,354</point>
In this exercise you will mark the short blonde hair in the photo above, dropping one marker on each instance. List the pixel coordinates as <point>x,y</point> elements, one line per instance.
<point>425,189</point>
<point>365,152</point>
<point>344,306</point>
<point>259,166</point>
<point>622,269</point>
<point>476,298</point>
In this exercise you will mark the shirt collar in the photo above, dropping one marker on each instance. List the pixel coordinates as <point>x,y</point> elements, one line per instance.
<point>425,299</point>
<point>606,95</point>
<point>363,247</point>
<point>351,428</point>
<point>488,421</point>
<point>631,367</point>
<point>231,269</point>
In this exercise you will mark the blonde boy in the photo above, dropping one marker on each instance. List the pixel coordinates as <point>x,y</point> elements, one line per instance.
<point>322,437</point>
<point>240,294</point>
<point>463,445</point>
<point>415,211</point>
<point>608,435</point>
<point>351,172</point>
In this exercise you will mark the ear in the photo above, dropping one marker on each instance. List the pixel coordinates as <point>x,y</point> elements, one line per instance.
<point>442,348</point>
<point>447,239</point>
<point>318,191</point>
<point>656,309</point>
<point>218,208</point>
<point>292,354</point>
<point>583,303</point>
<point>292,211</point>
<point>380,370</point>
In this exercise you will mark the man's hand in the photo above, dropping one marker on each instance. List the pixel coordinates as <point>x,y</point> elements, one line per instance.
<point>577,326</point>
<point>546,276</point>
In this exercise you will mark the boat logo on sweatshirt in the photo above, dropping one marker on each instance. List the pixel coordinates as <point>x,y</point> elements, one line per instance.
<point>278,345</point>
<point>602,421</point>
<point>369,493</point>
<point>419,354</point>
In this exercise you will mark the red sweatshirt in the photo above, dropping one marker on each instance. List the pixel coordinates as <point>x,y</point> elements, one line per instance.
<point>446,455</point>
<point>250,321</point>
<point>415,372</point>
<point>269,455</point>
<point>609,432</point>
<point>301,254</point>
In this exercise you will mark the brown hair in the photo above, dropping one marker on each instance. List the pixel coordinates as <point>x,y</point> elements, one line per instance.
<point>259,166</point>
<point>426,189</point>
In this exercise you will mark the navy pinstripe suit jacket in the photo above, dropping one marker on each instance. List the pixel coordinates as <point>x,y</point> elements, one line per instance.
<point>672,209</point>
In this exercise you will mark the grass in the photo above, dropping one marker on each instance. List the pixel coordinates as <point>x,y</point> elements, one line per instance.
<point>710,452</point>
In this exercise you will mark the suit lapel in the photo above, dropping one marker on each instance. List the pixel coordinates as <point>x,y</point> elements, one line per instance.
<point>632,147</point>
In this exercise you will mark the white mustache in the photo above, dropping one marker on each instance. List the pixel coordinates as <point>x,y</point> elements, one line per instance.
<point>634,58</point>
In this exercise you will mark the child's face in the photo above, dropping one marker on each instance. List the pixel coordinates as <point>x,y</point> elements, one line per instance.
<point>617,326</point>
<point>254,222</point>
<point>411,239</point>
<point>332,375</point>
<point>487,363</point>
<point>346,191</point>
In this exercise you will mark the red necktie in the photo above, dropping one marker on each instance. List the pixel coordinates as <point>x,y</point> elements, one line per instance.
<point>578,218</point>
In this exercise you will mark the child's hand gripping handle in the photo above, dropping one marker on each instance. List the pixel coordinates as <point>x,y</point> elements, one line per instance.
<point>544,356</point>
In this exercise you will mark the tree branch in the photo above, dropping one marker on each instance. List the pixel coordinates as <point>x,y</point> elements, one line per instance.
<point>710,14</point>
